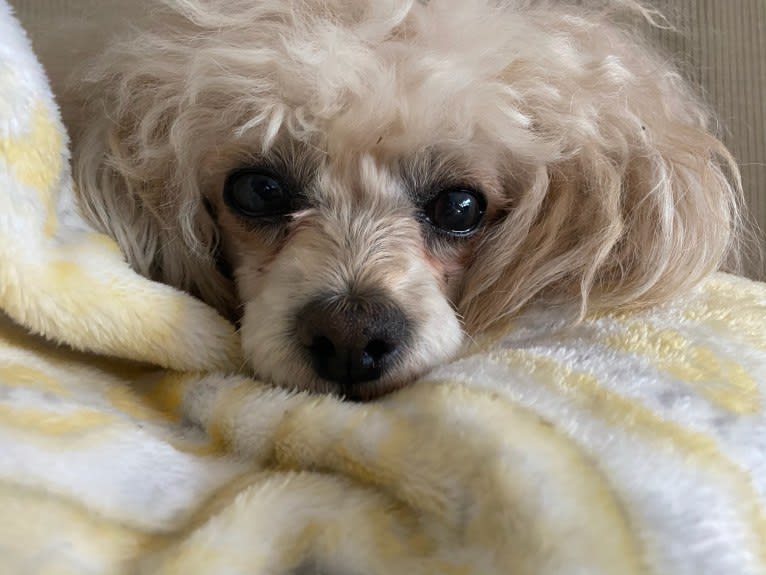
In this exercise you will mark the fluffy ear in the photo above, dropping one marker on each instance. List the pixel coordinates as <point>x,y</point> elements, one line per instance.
<point>638,200</point>
<point>137,165</point>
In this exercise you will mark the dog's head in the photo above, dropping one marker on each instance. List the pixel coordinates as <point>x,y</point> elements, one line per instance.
<point>382,178</point>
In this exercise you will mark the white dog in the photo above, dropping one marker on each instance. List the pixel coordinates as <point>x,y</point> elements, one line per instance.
<point>363,183</point>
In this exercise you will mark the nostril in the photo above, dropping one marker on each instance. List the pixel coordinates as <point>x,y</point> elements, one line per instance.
<point>322,346</point>
<point>377,349</point>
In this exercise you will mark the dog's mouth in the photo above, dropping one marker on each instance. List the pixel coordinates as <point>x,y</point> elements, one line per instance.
<point>370,390</point>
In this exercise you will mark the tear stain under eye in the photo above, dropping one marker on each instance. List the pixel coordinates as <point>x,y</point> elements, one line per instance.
<point>278,239</point>
<point>447,270</point>
<point>271,255</point>
<point>222,265</point>
<point>439,270</point>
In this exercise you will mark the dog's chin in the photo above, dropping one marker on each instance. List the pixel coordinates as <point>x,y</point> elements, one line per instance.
<point>371,390</point>
<point>360,392</point>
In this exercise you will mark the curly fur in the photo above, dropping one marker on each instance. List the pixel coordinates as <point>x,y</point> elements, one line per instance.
<point>606,183</point>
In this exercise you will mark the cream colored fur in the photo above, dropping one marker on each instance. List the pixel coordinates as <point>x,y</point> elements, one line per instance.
<point>605,184</point>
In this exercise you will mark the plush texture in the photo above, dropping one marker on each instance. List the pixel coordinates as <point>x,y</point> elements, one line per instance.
<point>626,444</point>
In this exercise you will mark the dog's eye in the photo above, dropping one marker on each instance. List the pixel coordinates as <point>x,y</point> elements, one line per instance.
<point>255,193</point>
<point>457,211</point>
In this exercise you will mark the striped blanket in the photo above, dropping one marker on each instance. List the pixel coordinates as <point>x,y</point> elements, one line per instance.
<point>628,444</point>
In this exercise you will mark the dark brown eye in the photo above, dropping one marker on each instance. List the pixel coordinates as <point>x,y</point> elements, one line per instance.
<point>457,211</point>
<point>255,193</point>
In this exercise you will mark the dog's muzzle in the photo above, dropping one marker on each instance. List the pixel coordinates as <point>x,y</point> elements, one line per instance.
<point>352,340</point>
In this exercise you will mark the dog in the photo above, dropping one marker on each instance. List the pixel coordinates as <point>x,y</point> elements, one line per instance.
<point>365,185</point>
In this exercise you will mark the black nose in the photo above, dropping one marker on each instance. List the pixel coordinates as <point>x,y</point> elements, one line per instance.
<point>351,340</point>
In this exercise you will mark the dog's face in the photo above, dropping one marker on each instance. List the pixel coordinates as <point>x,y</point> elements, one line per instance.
<point>386,179</point>
<point>349,269</point>
<point>347,279</point>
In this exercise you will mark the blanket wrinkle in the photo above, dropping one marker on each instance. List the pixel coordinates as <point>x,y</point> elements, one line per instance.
<point>631,443</point>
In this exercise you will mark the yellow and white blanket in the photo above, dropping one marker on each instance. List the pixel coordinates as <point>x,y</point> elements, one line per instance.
<point>627,445</point>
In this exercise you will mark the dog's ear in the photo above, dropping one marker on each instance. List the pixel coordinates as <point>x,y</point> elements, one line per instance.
<point>137,183</point>
<point>637,201</point>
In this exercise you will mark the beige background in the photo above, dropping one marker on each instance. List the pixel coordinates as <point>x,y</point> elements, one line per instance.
<point>721,45</point>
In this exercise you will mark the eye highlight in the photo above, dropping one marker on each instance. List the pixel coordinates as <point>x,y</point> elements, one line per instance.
<point>254,193</point>
<point>456,211</point>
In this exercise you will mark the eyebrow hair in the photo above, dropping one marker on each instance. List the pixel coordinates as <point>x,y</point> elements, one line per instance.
<point>432,170</point>
<point>297,165</point>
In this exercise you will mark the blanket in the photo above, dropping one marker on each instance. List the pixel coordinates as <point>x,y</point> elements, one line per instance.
<point>631,443</point>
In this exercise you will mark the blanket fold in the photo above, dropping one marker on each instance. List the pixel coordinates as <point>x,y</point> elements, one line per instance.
<point>627,444</point>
